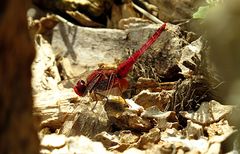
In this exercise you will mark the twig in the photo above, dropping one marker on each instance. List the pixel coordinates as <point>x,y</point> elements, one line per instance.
<point>63,20</point>
<point>150,16</point>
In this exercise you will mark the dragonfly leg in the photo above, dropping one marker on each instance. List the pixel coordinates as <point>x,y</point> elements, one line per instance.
<point>95,98</point>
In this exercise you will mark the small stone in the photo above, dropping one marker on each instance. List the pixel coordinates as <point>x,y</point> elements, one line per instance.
<point>128,137</point>
<point>193,130</point>
<point>133,151</point>
<point>107,139</point>
<point>84,145</point>
<point>214,148</point>
<point>150,138</point>
<point>53,141</point>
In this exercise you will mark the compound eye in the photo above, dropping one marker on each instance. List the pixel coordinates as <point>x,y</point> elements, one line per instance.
<point>80,88</point>
<point>81,83</point>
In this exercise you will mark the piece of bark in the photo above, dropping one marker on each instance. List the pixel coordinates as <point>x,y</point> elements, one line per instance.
<point>162,120</point>
<point>208,113</point>
<point>51,109</point>
<point>93,9</point>
<point>119,12</point>
<point>180,10</point>
<point>84,121</point>
<point>154,86</point>
<point>44,68</point>
<point>132,22</point>
<point>148,99</point>
<point>83,19</point>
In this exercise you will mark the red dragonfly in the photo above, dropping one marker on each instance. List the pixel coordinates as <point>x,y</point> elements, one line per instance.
<point>113,81</point>
<point>104,81</point>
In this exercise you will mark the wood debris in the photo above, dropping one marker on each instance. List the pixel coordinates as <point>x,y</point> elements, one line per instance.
<point>169,107</point>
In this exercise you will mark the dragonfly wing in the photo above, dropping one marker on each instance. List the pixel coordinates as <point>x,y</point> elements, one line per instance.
<point>116,86</point>
<point>70,81</point>
<point>111,82</point>
<point>91,84</point>
<point>83,121</point>
<point>104,84</point>
<point>70,121</point>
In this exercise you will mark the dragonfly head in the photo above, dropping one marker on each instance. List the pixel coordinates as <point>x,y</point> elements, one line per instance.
<point>80,88</point>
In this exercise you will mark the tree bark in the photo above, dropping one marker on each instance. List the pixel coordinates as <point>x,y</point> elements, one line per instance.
<point>17,130</point>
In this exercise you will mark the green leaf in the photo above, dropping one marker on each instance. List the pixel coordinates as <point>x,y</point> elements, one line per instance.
<point>201,12</point>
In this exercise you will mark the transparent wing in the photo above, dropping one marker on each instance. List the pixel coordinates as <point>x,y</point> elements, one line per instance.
<point>69,83</point>
<point>70,121</point>
<point>111,82</point>
<point>94,82</point>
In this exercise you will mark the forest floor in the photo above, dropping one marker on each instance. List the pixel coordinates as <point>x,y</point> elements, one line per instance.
<point>171,105</point>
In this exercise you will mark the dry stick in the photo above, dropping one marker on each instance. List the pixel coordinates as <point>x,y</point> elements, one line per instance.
<point>150,16</point>
<point>64,20</point>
